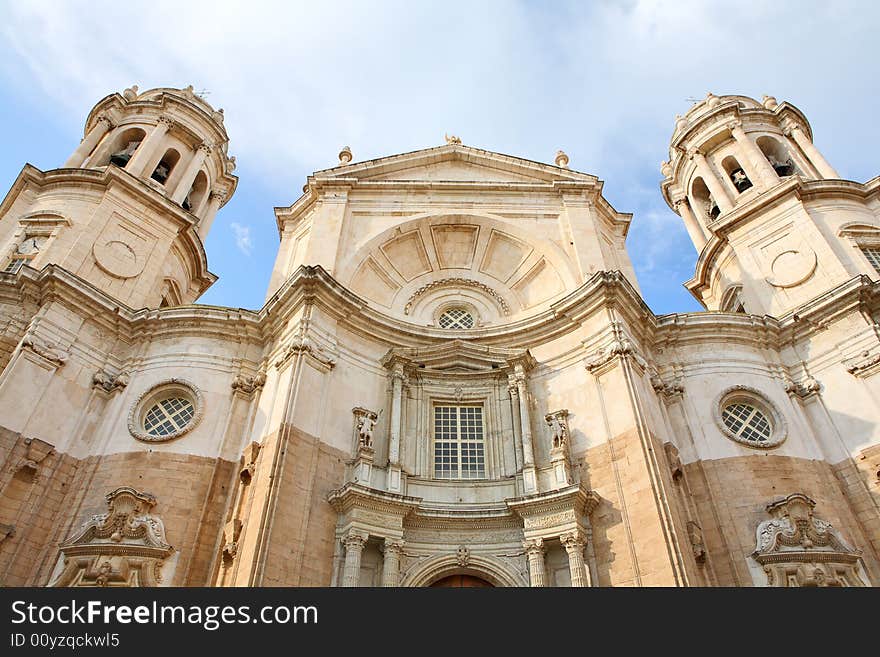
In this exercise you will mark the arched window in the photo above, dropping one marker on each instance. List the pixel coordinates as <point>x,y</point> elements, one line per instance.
<point>120,148</point>
<point>778,156</point>
<point>732,301</point>
<point>746,416</point>
<point>703,200</point>
<point>456,318</point>
<point>196,194</point>
<point>166,166</point>
<point>736,174</point>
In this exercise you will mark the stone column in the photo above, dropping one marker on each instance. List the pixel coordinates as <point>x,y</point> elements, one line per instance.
<point>394,470</point>
<point>530,477</point>
<point>192,170</point>
<point>214,202</point>
<point>691,224</point>
<point>147,149</point>
<point>87,145</point>
<point>391,564</point>
<point>758,168</point>
<point>574,545</point>
<point>515,423</point>
<point>354,545</point>
<point>719,193</point>
<point>535,552</point>
<point>822,165</point>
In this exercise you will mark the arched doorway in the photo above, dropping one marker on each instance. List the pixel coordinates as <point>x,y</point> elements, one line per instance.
<point>462,582</point>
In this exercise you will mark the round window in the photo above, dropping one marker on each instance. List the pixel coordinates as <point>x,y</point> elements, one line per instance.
<point>746,417</point>
<point>456,318</point>
<point>165,411</point>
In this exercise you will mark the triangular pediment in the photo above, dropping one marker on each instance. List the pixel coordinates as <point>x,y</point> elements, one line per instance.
<point>454,163</point>
<point>458,356</point>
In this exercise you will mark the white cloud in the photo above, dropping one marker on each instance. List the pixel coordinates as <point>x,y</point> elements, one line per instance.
<point>243,239</point>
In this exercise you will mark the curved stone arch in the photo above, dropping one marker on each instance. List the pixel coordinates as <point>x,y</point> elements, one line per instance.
<point>486,567</point>
<point>370,254</point>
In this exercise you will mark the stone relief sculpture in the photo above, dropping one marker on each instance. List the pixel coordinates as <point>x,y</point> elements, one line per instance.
<point>124,547</point>
<point>796,548</point>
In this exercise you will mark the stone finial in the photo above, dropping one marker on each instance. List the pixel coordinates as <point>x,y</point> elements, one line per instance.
<point>345,155</point>
<point>561,159</point>
<point>769,102</point>
<point>130,93</point>
<point>680,122</point>
<point>452,139</point>
<point>218,115</point>
<point>712,100</point>
<point>666,169</point>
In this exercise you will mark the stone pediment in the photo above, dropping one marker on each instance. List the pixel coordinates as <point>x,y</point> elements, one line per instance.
<point>458,356</point>
<point>453,163</point>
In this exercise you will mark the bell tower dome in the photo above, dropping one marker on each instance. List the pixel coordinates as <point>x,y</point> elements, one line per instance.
<point>130,208</point>
<point>768,214</point>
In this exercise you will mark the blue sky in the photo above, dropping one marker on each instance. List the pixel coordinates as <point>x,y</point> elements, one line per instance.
<point>602,81</point>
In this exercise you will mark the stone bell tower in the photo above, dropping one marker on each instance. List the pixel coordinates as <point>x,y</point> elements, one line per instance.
<point>130,208</point>
<point>774,224</point>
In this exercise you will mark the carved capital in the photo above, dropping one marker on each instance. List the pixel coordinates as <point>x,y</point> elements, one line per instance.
<point>108,123</point>
<point>165,121</point>
<point>736,124</point>
<point>355,540</point>
<point>205,148</point>
<point>108,382</point>
<point>248,384</point>
<point>218,195</point>
<point>572,541</point>
<point>534,546</point>
<point>394,546</point>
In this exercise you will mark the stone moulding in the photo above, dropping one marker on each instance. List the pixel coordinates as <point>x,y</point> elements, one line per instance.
<point>138,408</point>
<point>456,282</point>
<point>124,547</point>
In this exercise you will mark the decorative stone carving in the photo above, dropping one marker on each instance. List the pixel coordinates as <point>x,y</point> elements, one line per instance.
<point>558,423</point>
<point>798,549</point>
<point>619,346</point>
<point>230,167</point>
<point>131,93</point>
<point>456,282</point>
<point>37,451</point>
<point>304,345</point>
<point>108,382</point>
<point>463,556</point>
<point>667,389</point>
<point>864,364</point>
<point>804,388</point>
<point>248,384</point>
<point>695,534</point>
<point>769,102</point>
<point>49,351</point>
<point>124,547</point>
<point>452,139</point>
<point>230,541</point>
<point>364,424</point>
<point>666,169</point>
<point>672,455</point>
<point>345,155</point>
<point>561,159</point>
<point>246,474</point>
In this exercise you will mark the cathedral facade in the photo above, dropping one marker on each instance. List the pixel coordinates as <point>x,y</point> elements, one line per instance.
<point>453,380</point>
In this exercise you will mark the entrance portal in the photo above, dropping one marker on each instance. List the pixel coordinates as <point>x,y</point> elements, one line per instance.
<point>462,581</point>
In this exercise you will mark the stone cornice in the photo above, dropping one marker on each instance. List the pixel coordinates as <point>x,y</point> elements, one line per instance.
<point>582,500</point>
<point>416,344</point>
<point>355,495</point>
